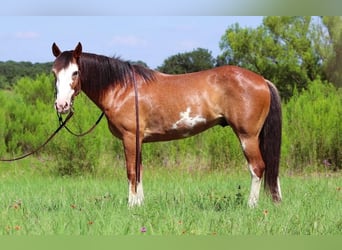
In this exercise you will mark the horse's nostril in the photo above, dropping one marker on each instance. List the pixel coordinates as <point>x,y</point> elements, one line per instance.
<point>62,106</point>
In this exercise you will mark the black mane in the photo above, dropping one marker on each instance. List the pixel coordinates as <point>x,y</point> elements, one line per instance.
<point>98,72</point>
<point>106,71</point>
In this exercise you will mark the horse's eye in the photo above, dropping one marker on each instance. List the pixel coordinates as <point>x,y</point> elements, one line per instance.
<point>75,73</point>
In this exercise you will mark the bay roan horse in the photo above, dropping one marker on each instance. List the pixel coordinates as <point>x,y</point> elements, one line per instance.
<point>174,107</point>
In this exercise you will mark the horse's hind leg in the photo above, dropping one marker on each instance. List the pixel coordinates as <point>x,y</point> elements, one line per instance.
<point>256,166</point>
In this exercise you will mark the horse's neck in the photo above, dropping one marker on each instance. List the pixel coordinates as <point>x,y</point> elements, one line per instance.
<point>94,96</point>
<point>106,98</point>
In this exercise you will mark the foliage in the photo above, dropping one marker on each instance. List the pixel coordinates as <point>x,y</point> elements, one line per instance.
<point>198,59</point>
<point>217,148</point>
<point>11,72</point>
<point>139,62</point>
<point>332,47</point>
<point>23,112</point>
<point>281,49</point>
<point>78,155</point>
<point>312,128</point>
<point>3,147</point>
<point>29,118</point>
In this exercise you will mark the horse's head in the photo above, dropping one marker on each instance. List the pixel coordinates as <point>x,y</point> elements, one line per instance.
<point>67,74</point>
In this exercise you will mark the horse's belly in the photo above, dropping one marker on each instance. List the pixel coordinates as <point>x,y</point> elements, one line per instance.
<point>169,135</point>
<point>180,129</point>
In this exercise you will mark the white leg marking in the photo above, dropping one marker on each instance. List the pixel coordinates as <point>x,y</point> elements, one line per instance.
<point>255,189</point>
<point>279,190</point>
<point>135,199</point>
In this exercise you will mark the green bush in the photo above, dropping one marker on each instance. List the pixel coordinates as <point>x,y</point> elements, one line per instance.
<point>29,118</point>
<point>76,155</point>
<point>25,115</point>
<point>3,147</point>
<point>312,127</point>
<point>216,148</point>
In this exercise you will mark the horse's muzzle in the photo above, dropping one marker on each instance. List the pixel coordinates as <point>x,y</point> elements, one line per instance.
<point>63,107</point>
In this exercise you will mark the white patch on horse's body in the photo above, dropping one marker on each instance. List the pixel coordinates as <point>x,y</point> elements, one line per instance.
<point>255,188</point>
<point>135,199</point>
<point>187,121</point>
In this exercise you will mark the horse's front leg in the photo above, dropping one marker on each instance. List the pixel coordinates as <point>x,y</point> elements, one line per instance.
<point>135,187</point>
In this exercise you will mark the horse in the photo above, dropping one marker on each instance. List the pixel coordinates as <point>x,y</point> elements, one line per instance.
<point>142,105</point>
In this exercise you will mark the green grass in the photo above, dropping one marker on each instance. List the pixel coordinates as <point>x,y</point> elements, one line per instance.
<point>178,202</point>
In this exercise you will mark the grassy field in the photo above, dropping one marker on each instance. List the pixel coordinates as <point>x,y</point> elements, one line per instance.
<point>178,202</point>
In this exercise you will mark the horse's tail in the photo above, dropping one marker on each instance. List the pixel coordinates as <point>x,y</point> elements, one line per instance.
<point>270,142</point>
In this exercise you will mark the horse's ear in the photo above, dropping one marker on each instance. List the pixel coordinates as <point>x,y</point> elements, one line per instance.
<point>55,50</point>
<point>78,50</point>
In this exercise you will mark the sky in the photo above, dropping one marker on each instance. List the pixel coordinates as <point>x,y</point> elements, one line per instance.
<point>130,7</point>
<point>151,39</point>
<point>167,8</point>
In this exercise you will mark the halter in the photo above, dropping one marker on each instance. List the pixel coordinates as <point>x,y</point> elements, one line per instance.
<point>76,86</point>
<point>76,83</point>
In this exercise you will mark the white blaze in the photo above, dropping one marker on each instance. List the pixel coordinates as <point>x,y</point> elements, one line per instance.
<point>63,85</point>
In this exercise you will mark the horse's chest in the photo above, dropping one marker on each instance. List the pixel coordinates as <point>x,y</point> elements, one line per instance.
<point>114,130</point>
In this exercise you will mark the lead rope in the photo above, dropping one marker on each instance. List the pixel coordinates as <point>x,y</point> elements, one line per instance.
<point>84,133</point>
<point>62,124</point>
<point>137,133</point>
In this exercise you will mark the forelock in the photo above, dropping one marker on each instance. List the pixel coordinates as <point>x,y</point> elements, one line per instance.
<point>63,61</point>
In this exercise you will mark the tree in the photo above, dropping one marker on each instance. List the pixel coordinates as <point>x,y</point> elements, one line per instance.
<point>333,49</point>
<point>11,72</point>
<point>281,49</point>
<point>198,59</point>
<point>3,82</point>
<point>139,62</point>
